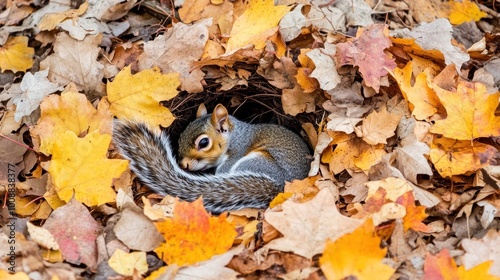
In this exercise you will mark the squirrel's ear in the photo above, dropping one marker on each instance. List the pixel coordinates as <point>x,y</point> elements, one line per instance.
<point>220,119</point>
<point>202,110</point>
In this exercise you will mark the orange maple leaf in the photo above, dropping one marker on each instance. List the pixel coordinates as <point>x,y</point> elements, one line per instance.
<point>470,112</point>
<point>414,214</point>
<point>356,254</point>
<point>192,235</point>
<point>442,266</point>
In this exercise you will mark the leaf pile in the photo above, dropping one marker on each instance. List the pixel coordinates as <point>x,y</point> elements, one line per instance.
<point>404,180</point>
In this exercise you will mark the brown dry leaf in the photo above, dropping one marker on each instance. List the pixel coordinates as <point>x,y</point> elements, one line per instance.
<point>306,226</point>
<point>76,61</point>
<point>325,70</point>
<point>452,157</point>
<point>479,251</point>
<point>136,231</point>
<point>296,101</point>
<point>15,11</point>
<point>183,41</point>
<point>75,230</point>
<point>378,126</point>
<point>367,52</point>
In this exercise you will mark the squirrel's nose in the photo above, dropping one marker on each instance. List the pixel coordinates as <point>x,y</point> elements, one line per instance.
<point>184,163</point>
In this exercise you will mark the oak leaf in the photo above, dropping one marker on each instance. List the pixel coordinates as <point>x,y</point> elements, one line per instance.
<point>465,11</point>
<point>138,96</point>
<point>258,22</point>
<point>192,235</point>
<point>367,52</point>
<point>79,167</point>
<point>356,254</point>
<point>470,112</point>
<point>15,55</point>
<point>306,226</point>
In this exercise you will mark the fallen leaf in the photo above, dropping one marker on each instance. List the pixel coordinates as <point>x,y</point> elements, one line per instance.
<point>138,96</point>
<point>474,118</point>
<point>414,214</point>
<point>305,236</point>
<point>127,263</point>
<point>79,168</point>
<point>367,52</point>
<point>378,126</point>
<point>75,230</point>
<point>482,250</point>
<point>452,157</point>
<point>192,235</point>
<point>42,237</point>
<point>4,274</point>
<point>465,11</point>
<point>15,55</point>
<point>50,20</point>
<point>34,88</point>
<point>437,35</point>
<point>325,68</point>
<point>356,254</point>
<point>180,41</point>
<point>136,231</point>
<point>71,111</point>
<point>422,98</point>
<point>76,61</point>
<point>256,24</point>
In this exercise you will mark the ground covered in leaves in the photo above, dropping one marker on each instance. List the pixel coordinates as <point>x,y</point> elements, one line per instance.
<point>398,100</point>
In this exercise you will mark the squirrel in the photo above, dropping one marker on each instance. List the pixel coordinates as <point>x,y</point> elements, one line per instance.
<point>251,161</point>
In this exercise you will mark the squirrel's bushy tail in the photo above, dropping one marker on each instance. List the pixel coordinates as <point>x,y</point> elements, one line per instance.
<point>152,160</point>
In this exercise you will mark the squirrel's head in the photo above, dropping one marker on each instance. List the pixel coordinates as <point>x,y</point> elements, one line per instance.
<point>204,142</point>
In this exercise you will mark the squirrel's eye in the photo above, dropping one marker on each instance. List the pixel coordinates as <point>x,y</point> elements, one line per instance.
<point>203,143</point>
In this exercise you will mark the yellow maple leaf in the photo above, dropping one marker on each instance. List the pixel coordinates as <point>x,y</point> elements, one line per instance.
<point>138,96</point>
<point>423,100</point>
<point>452,157</point>
<point>465,11</point>
<point>125,263</point>
<point>50,20</point>
<point>79,166</point>
<point>192,235</point>
<point>256,24</point>
<point>470,112</point>
<point>71,111</point>
<point>356,254</point>
<point>15,55</point>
